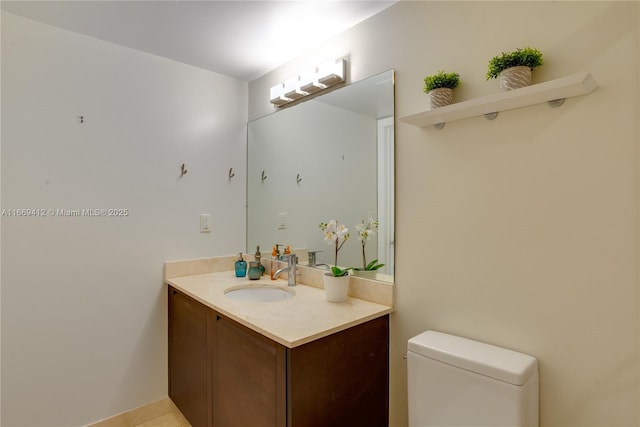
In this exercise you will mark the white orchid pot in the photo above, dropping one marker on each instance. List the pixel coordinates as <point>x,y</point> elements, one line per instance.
<point>514,78</point>
<point>367,274</point>
<point>440,97</point>
<point>336,288</point>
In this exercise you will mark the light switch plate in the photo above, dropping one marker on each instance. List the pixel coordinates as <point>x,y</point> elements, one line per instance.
<point>282,223</point>
<point>205,223</point>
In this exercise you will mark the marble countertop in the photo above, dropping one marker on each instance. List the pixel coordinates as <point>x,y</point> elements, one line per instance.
<point>291,322</point>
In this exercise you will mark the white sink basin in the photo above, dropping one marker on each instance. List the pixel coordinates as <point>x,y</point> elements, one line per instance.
<point>259,293</point>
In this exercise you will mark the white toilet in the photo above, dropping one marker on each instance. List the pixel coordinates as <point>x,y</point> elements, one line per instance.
<point>459,382</point>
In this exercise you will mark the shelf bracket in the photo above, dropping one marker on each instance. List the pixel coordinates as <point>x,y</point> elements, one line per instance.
<point>491,116</point>
<point>439,125</point>
<point>555,103</point>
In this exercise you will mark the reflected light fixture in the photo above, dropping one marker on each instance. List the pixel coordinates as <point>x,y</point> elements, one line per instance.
<point>308,82</point>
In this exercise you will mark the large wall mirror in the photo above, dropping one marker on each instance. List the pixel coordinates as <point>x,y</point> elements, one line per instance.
<point>331,157</point>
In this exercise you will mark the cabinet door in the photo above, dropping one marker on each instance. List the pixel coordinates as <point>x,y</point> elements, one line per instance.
<point>188,384</point>
<point>249,387</point>
<point>342,380</point>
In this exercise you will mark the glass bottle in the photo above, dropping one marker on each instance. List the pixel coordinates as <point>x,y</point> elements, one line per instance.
<point>258,257</point>
<point>241,266</point>
<point>254,270</point>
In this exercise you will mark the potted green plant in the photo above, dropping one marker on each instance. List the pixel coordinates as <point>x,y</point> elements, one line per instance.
<point>439,88</point>
<point>513,69</point>
<point>365,231</point>
<point>336,281</point>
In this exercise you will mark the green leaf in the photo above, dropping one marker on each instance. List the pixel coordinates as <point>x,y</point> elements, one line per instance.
<point>442,79</point>
<point>373,265</point>
<point>526,56</point>
<point>338,272</point>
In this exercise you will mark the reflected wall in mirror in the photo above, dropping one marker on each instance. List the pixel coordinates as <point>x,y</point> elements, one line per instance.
<point>331,157</point>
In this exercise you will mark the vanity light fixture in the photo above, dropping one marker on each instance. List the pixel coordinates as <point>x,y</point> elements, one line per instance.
<point>331,73</point>
<point>308,82</point>
<point>276,95</point>
<point>292,89</point>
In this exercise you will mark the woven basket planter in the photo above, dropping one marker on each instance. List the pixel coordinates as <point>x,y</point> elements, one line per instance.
<point>440,97</point>
<point>515,78</point>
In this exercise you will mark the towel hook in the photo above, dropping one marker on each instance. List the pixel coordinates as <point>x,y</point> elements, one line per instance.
<point>298,179</point>
<point>263,177</point>
<point>231,174</point>
<point>183,171</point>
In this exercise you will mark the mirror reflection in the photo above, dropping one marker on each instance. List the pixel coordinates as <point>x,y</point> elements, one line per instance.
<point>331,157</point>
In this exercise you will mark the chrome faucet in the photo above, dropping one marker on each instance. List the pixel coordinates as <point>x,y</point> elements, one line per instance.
<point>312,260</point>
<point>292,260</point>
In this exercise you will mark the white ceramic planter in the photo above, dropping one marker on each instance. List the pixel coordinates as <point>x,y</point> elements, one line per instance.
<point>440,97</point>
<point>514,78</point>
<point>336,288</point>
<point>367,274</point>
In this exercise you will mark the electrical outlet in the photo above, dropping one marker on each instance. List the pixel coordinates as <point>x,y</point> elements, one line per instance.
<point>205,223</point>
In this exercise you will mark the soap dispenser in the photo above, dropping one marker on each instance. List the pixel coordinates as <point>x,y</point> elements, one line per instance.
<point>258,258</point>
<point>254,270</point>
<point>275,256</point>
<point>241,266</point>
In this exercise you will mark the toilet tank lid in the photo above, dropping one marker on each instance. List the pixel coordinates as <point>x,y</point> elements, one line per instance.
<point>485,359</point>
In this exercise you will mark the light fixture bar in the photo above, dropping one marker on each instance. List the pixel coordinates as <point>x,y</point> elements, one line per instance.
<point>308,82</point>
<point>331,73</point>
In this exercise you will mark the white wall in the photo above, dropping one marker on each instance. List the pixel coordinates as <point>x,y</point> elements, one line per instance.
<point>83,304</point>
<point>522,231</point>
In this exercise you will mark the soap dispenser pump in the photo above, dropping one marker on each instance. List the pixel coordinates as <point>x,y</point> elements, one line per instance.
<point>241,266</point>
<point>258,258</point>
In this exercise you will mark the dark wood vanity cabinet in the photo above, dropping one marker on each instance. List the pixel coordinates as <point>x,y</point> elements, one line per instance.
<point>342,379</point>
<point>227,375</point>
<point>249,387</point>
<point>189,374</point>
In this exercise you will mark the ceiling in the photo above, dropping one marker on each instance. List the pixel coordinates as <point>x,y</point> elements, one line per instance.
<point>240,39</point>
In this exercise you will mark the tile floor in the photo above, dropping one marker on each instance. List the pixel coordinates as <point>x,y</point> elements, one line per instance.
<point>171,419</point>
<point>162,413</point>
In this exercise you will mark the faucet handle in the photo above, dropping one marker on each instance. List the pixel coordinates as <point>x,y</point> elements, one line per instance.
<point>312,257</point>
<point>291,257</point>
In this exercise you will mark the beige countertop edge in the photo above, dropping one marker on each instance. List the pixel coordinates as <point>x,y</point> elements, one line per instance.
<point>293,322</point>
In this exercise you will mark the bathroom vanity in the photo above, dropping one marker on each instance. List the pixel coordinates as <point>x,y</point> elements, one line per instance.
<point>301,362</point>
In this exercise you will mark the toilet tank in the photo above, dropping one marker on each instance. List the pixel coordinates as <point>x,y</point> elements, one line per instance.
<point>454,381</point>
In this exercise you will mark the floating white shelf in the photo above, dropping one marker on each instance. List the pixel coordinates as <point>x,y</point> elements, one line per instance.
<point>554,92</point>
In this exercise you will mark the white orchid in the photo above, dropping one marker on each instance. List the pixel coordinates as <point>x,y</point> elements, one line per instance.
<point>365,231</point>
<point>335,234</point>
